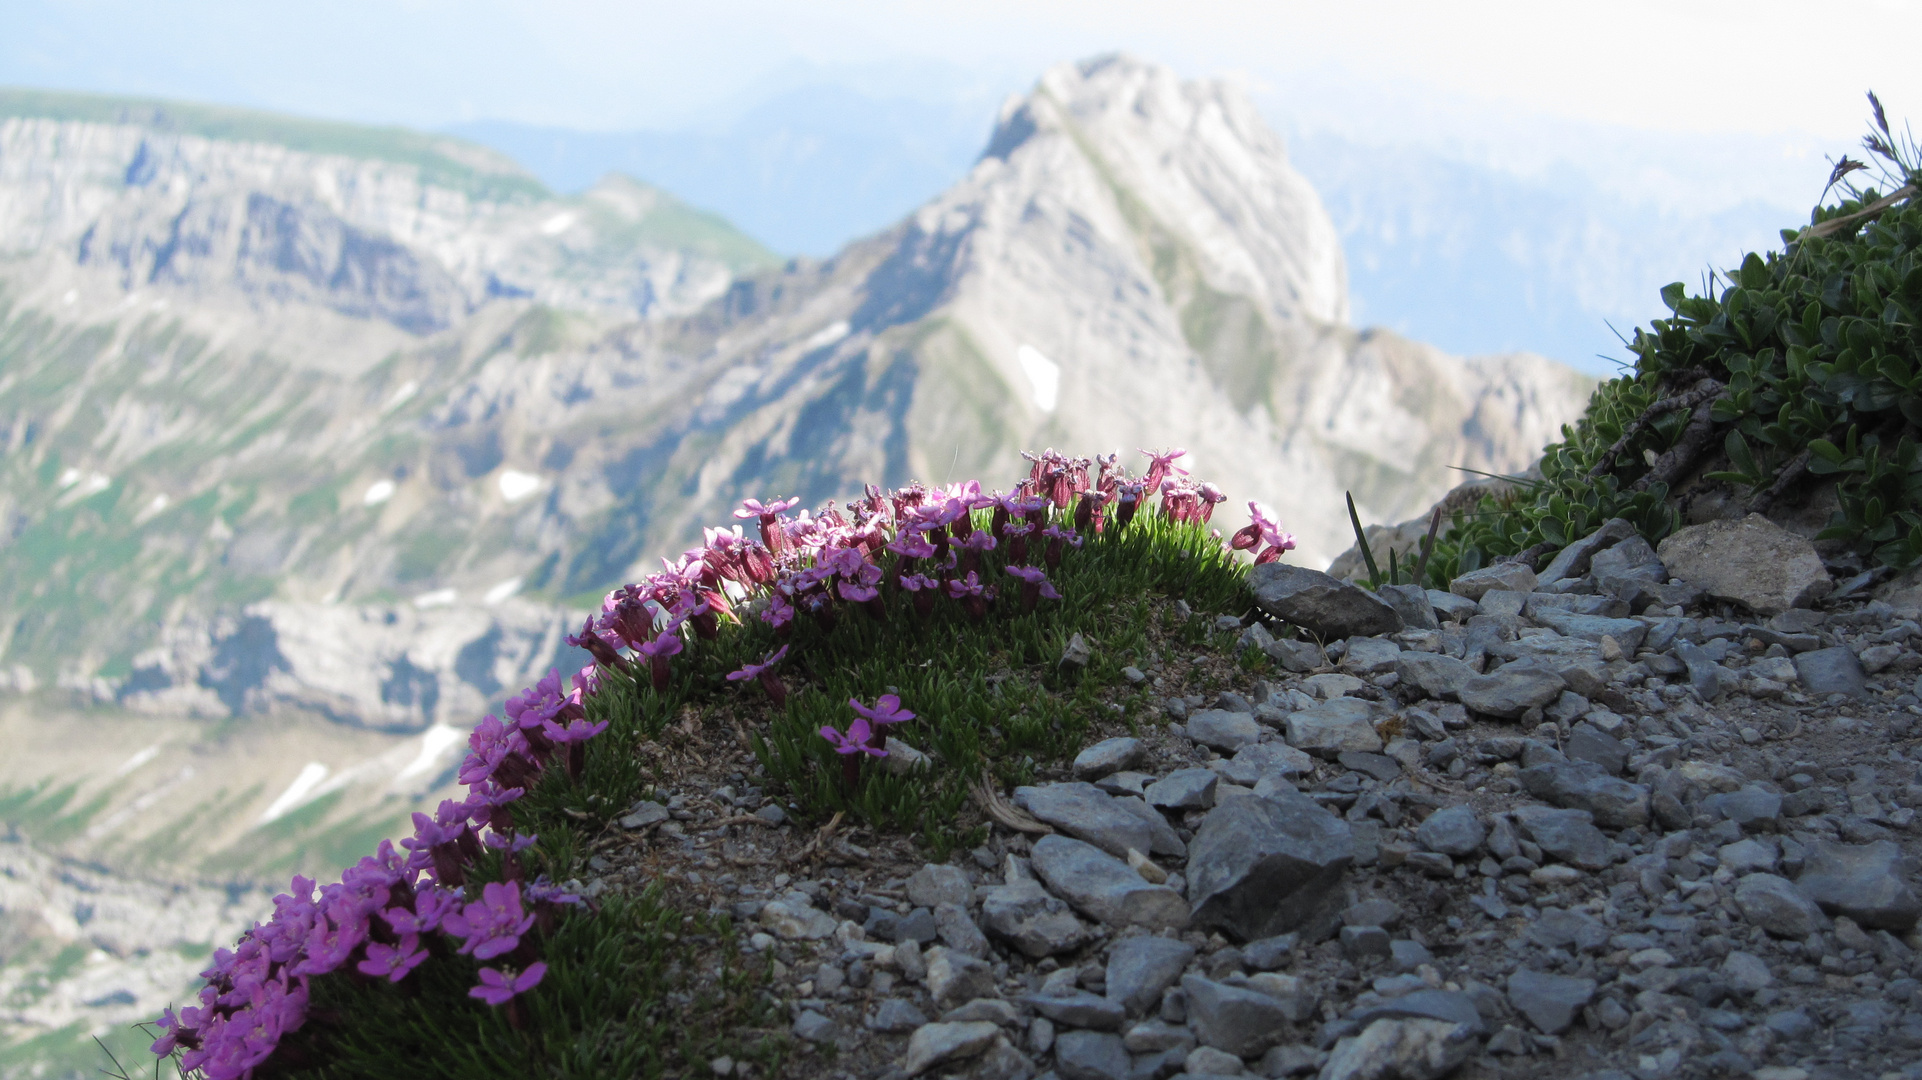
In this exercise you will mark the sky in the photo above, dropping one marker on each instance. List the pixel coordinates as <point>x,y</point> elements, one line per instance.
<point>1650,139</point>
<point>1748,67</point>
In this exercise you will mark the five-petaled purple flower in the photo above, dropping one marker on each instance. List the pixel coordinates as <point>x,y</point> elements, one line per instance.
<point>492,925</point>
<point>497,988</point>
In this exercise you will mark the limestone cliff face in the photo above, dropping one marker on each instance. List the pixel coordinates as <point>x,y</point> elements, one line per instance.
<point>313,388</point>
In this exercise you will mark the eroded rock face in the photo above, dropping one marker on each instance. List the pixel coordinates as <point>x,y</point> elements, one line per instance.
<point>1753,562</point>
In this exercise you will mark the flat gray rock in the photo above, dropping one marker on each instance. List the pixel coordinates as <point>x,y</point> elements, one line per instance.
<point>1831,671</point>
<point>1578,662</point>
<point>1550,1002</point>
<point>1079,1009</point>
<point>1033,920</point>
<point>1092,1055</point>
<point>1628,633</point>
<point>1106,756</point>
<point>1241,1022</point>
<point>1753,562</point>
<point>1295,655</point>
<point>1183,789</point>
<point>1262,867</point>
<point>1140,968</point>
<point>1438,675</point>
<point>1583,785</point>
<point>1452,830</point>
<point>1219,729</point>
<point>1568,835</point>
<point>1085,811</point>
<point>936,884</point>
<point>1451,608</point>
<point>1777,906</point>
<point>1577,931</point>
<point>1328,608</point>
<point>1370,656</point>
<point>1512,690</point>
<point>1585,743</point>
<point>1451,1005</point>
<point>1411,1049</point>
<point>938,1044</point>
<point>1511,576</point>
<point>894,1016</point>
<point>1412,604</point>
<point>1755,809</point>
<point>1746,973</point>
<point>1332,727</point>
<point>1870,883</point>
<point>1257,760</point>
<point>1105,888</point>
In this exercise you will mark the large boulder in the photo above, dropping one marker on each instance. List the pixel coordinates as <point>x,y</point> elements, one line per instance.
<point>1753,562</point>
<point>1265,866</point>
<point>1320,604</point>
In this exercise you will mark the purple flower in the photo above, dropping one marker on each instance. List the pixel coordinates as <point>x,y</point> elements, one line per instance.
<point>912,545</point>
<point>973,595</point>
<point>657,651</point>
<point>493,924</point>
<point>887,710</point>
<point>393,961</point>
<point>771,683</point>
<point>1160,464</point>
<point>598,645</point>
<point>497,750</point>
<point>498,989</point>
<point>856,741</point>
<point>1034,585</point>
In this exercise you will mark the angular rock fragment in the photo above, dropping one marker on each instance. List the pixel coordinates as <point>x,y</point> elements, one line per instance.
<point>1092,1055</point>
<point>1777,906</point>
<point>1412,604</point>
<point>1104,888</point>
<point>1511,576</point>
<point>1221,730</point>
<point>1572,561</point>
<point>1106,756</point>
<point>1583,785</point>
<point>1452,830</point>
<point>1753,562</point>
<point>1241,1022</point>
<point>1872,884</point>
<point>1568,835</point>
<point>938,1044</point>
<point>1401,1050</point>
<point>1831,671</point>
<point>1328,608</point>
<point>1183,789</point>
<point>1140,968</point>
<point>1512,690</point>
<point>1438,675</point>
<point>1330,728</point>
<point>1032,920</point>
<point>1262,867</point>
<point>1086,811</point>
<point>1551,1002</point>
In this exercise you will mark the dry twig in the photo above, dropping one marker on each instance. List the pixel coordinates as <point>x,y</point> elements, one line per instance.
<point>991,803</point>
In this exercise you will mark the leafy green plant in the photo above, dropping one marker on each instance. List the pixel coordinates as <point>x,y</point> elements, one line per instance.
<point>1799,366</point>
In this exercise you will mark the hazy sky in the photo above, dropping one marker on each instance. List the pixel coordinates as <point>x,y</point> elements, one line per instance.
<point>1754,66</point>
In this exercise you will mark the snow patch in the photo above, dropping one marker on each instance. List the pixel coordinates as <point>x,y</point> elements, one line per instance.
<point>825,336</point>
<point>402,394</point>
<point>437,598</point>
<point>311,774</point>
<point>434,742</point>
<point>559,223</point>
<point>1043,373</point>
<point>378,492</point>
<point>518,485</point>
<point>137,760</point>
<point>502,591</point>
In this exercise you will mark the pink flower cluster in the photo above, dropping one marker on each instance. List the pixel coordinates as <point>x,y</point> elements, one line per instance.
<point>1262,533</point>
<point>397,908</point>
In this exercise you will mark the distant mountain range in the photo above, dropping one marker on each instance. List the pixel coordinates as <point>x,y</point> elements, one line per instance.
<point>340,427</point>
<point>1539,248</point>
